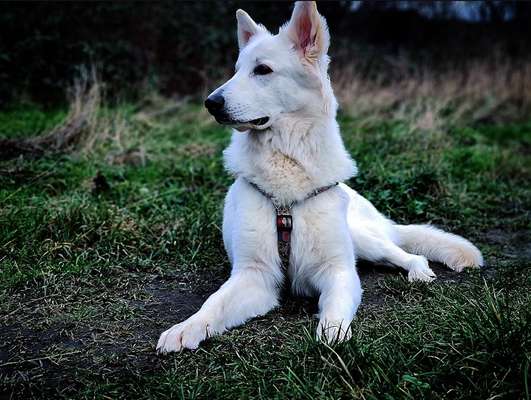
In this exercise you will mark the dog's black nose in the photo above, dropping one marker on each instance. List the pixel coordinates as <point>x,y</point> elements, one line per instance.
<point>214,103</point>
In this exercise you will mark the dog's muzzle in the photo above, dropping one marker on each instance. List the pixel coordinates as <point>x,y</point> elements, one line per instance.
<point>215,104</point>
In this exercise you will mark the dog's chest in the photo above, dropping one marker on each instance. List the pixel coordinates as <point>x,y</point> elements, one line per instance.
<point>284,177</point>
<point>312,228</point>
<point>318,234</point>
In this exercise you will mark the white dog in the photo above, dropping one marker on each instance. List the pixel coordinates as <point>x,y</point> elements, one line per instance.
<point>287,146</point>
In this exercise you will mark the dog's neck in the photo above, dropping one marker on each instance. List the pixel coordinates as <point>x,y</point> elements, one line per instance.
<point>292,158</point>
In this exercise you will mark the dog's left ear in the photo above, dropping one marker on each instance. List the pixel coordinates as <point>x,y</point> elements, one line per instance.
<point>247,28</point>
<point>307,29</point>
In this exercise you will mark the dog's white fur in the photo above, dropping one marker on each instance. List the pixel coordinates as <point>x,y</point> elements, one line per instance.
<point>298,150</point>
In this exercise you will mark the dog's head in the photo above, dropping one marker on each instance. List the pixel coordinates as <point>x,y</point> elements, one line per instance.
<point>276,75</point>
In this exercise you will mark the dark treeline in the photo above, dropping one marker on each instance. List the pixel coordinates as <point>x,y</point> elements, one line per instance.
<point>180,47</point>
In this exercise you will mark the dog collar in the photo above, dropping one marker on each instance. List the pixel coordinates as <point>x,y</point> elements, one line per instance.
<point>284,220</point>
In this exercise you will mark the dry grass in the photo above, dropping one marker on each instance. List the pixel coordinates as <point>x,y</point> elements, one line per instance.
<point>156,111</point>
<point>87,126</point>
<point>487,91</point>
<point>82,127</point>
<point>100,125</point>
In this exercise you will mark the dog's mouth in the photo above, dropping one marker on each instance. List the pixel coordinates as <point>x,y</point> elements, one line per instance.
<point>254,123</point>
<point>259,121</point>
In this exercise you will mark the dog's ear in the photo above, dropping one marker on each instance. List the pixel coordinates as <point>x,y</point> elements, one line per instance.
<point>307,29</point>
<point>247,28</point>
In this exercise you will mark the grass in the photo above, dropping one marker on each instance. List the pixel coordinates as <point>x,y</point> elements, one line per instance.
<point>90,275</point>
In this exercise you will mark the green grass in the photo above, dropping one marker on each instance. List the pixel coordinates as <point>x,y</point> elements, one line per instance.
<point>89,280</point>
<point>28,120</point>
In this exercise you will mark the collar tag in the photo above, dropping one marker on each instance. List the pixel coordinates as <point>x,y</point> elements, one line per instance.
<point>284,227</point>
<point>284,220</point>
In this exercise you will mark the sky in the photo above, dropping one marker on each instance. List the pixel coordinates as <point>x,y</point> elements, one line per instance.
<point>463,10</point>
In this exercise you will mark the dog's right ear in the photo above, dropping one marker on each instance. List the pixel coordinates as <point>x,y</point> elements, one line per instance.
<point>307,29</point>
<point>247,28</point>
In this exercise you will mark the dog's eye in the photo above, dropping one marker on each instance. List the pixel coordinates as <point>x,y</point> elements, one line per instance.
<point>262,69</point>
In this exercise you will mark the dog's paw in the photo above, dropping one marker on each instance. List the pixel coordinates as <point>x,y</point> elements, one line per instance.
<point>331,332</point>
<point>186,335</point>
<point>420,271</point>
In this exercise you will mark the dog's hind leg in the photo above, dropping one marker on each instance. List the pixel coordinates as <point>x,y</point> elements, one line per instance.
<point>382,250</point>
<point>249,292</point>
<point>437,245</point>
<point>374,238</point>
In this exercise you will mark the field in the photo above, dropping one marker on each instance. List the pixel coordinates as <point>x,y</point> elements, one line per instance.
<point>107,243</point>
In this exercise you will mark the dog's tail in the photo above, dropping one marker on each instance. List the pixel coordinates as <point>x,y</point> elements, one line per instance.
<point>437,245</point>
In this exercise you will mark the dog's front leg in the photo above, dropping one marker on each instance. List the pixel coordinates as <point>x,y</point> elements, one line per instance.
<point>340,296</point>
<point>249,292</point>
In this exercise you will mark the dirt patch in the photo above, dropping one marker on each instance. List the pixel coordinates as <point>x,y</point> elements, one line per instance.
<point>115,335</point>
<point>373,278</point>
<point>39,351</point>
<point>512,245</point>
